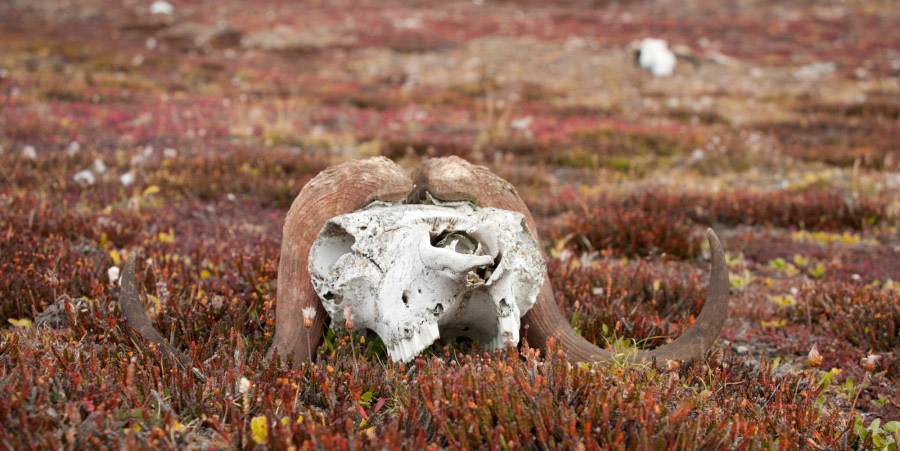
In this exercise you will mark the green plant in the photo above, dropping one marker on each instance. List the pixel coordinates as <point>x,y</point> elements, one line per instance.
<point>783,300</point>
<point>817,271</point>
<point>880,437</point>
<point>814,269</point>
<point>824,382</point>
<point>740,281</point>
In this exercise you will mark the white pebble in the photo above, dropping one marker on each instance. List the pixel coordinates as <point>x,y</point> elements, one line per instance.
<point>162,7</point>
<point>127,178</point>
<point>113,274</point>
<point>73,148</point>
<point>99,166</point>
<point>29,152</point>
<point>85,177</point>
<point>656,57</point>
<point>697,155</point>
<point>521,123</point>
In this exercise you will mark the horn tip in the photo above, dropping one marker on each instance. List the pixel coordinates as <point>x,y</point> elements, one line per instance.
<point>128,281</point>
<point>129,263</point>
<point>714,242</point>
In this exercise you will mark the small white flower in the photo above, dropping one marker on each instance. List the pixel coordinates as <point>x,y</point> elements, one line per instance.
<point>99,166</point>
<point>672,365</point>
<point>162,7</point>
<point>29,152</point>
<point>409,23</point>
<point>348,318</point>
<point>127,178</point>
<point>243,385</point>
<point>169,152</point>
<point>73,148</point>
<point>151,43</point>
<point>870,362</point>
<point>113,274</point>
<point>137,160</point>
<point>697,155</point>
<point>145,154</point>
<point>574,42</point>
<point>85,177</point>
<point>816,70</point>
<point>521,123</point>
<point>309,314</point>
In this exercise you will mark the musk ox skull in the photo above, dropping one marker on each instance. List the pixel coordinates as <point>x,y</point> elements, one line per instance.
<point>414,273</point>
<point>351,186</point>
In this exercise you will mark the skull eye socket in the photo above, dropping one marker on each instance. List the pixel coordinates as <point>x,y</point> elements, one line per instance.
<point>334,242</point>
<point>457,241</point>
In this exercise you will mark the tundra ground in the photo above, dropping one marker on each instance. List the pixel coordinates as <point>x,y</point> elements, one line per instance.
<point>185,138</point>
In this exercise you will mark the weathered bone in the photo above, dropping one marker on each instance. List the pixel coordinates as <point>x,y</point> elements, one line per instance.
<point>350,186</point>
<point>414,273</point>
<point>452,179</point>
<point>337,190</point>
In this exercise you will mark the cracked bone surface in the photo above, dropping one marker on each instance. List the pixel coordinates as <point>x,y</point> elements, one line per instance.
<point>415,273</point>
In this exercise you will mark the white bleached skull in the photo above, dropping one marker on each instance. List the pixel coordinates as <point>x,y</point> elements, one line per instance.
<point>415,273</point>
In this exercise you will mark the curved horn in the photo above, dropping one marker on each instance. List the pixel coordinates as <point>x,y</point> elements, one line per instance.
<point>136,317</point>
<point>453,179</point>
<point>340,189</point>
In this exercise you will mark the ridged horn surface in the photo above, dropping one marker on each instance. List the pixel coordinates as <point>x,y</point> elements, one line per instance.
<point>454,179</point>
<point>136,317</point>
<point>338,190</point>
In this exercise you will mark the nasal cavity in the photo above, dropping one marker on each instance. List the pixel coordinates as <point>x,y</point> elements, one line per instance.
<point>457,241</point>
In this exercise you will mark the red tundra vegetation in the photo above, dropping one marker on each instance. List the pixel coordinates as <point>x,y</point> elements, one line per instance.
<point>181,136</point>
